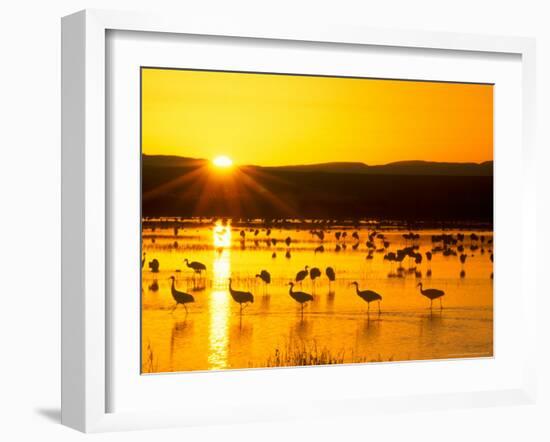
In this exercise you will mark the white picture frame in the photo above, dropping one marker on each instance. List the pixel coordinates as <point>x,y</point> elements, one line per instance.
<point>84,216</point>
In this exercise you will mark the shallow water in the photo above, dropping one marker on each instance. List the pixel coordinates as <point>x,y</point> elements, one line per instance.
<point>335,325</point>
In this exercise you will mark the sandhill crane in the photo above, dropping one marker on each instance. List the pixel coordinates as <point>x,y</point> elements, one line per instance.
<point>180,297</point>
<point>302,274</point>
<point>300,297</point>
<point>432,294</point>
<point>367,295</point>
<point>314,273</point>
<point>198,267</point>
<point>265,277</point>
<point>355,235</point>
<point>288,240</point>
<point>463,260</point>
<point>240,297</point>
<point>429,258</point>
<point>331,275</point>
<point>154,265</point>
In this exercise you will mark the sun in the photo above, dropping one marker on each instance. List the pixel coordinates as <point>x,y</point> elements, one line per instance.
<point>222,162</point>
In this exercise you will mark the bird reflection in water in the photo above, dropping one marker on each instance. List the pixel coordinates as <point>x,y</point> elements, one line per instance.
<point>181,332</point>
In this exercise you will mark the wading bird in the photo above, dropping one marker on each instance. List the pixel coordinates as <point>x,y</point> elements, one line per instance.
<point>265,277</point>
<point>154,265</point>
<point>240,297</point>
<point>300,297</point>
<point>180,297</point>
<point>432,294</point>
<point>314,273</point>
<point>367,295</point>
<point>331,274</point>
<point>302,274</point>
<point>198,267</point>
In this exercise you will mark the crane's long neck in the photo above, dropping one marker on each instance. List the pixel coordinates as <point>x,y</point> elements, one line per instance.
<point>291,289</point>
<point>421,288</point>
<point>357,288</point>
<point>230,287</point>
<point>173,285</point>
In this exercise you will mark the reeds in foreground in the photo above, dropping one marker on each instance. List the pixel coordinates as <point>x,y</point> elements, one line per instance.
<point>149,362</point>
<point>296,353</point>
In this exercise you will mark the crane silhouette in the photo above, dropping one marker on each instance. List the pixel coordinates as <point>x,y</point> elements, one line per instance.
<point>240,297</point>
<point>331,275</point>
<point>314,273</point>
<point>432,294</point>
<point>180,297</point>
<point>367,295</point>
<point>198,267</point>
<point>301,275</point>
<point>265,277</point>
<point>300,297</point>
<point>154,265</point>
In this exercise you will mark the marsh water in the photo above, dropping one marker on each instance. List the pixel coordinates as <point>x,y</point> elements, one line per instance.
<point>337,326</point>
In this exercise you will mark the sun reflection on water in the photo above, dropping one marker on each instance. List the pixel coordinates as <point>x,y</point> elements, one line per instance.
<point>219,299</point>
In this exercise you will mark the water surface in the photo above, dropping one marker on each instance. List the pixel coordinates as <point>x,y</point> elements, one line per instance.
<point>337,326</point>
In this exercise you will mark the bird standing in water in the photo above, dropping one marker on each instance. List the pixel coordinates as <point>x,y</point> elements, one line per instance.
<point>180,297</point>
<point>300,297</point>
<point>240,297</point>
<point>331,275</point>
<point>432,294</point>
<point>265,276</point>
<point>367,295</point>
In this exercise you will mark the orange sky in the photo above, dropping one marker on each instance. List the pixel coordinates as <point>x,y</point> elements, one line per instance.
<point>282,119</point>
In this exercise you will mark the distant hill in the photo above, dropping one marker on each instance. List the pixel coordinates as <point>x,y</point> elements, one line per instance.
<point>408,190</point>
<point>418,168</point>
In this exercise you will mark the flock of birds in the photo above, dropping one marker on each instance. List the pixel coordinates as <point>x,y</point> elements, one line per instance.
<point>244,299</point>
<point>446,244</point>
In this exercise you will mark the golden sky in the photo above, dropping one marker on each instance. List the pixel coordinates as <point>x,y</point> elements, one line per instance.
<point>271,120</point>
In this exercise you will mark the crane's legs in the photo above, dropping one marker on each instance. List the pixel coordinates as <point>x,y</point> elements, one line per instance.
<point>440,304</point>
<point>378,306</point>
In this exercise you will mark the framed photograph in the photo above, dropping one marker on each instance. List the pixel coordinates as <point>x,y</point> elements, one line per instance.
<point>275,222</point>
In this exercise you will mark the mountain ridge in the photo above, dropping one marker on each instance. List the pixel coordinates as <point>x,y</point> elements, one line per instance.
<point>405,167</point>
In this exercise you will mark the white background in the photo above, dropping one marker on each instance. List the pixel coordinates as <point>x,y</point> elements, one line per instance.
<point>30,203</point>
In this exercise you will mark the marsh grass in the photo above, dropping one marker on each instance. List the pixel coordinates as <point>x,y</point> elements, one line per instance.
<point>296,353</point>
<point>150,362</point>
